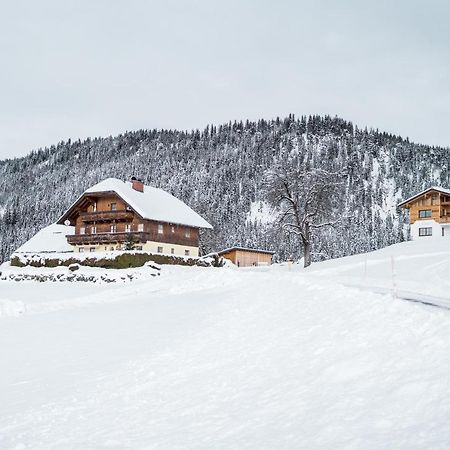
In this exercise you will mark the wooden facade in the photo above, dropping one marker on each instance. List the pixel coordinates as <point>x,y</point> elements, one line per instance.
<point>247,257</point>
<point>430,205</point>
<point>104,219</point>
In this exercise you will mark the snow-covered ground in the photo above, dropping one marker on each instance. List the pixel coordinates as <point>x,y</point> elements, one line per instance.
<point>208,358</point>
<point>416,270</point>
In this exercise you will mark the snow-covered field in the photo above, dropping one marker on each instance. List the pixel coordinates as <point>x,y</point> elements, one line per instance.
<point>205,358</point>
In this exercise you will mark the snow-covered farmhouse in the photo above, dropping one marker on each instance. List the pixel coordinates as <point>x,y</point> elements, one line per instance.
<point>429,212</point>
<point>113,213</point>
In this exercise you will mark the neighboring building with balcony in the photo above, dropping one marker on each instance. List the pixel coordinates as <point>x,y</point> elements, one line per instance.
<point>429,213</point>
<point>114,214</point>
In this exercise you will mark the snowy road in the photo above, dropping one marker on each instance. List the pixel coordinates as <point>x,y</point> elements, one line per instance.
<point>219,358</point>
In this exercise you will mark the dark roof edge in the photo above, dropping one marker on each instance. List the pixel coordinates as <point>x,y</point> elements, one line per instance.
<point>419,194</point>
<point>254,250</point>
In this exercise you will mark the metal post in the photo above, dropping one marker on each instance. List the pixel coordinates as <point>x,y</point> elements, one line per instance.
<point>365,272</point>
<point>394,281</point>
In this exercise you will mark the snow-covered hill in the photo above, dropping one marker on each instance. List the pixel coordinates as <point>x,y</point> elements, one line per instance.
<point>231,358</point>
<point>411,270</point>
<point>222,172</point>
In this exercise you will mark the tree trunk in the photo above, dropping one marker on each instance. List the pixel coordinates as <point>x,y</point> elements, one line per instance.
<point>306,252</point>
<point>306,239</point>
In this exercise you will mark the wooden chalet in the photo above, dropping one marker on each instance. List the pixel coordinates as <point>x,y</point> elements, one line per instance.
<point>246,257</point>
<point>114,214</point>
<point>429,212</point>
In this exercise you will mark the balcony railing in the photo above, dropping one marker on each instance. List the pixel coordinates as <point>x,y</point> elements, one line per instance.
<point>106,238</point>
<point>107,216</point>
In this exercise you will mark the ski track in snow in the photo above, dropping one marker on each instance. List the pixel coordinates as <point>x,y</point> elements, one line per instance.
<point>222,358</point>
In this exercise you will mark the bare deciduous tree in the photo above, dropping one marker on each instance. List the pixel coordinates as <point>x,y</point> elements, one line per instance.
<point>306,199</point>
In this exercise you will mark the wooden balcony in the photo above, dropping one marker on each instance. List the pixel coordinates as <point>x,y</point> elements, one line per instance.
<point>121,215</point>
<point>106,238</point>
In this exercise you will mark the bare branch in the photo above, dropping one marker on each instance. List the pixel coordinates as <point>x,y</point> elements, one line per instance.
<point>325,224</point>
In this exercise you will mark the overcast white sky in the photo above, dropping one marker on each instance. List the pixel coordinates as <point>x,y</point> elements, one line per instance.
<point>94,68</point>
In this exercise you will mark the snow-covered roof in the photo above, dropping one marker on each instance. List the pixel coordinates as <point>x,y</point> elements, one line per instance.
<point>152,204</point>
<point>431,188</point>
<point>49,239</point>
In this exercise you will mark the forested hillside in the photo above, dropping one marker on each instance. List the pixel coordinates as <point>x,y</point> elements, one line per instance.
<point>221,172</point>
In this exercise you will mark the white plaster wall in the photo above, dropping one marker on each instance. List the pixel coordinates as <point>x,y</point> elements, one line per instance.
<point>436,227</point>
<point>446,229</point>
<point>179,250</point>
<point>149,246</point>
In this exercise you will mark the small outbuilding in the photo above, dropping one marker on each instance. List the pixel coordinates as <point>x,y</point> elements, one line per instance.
<point>247,257</point>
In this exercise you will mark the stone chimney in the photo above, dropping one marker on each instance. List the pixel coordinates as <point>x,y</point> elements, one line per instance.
<point>137,185</point>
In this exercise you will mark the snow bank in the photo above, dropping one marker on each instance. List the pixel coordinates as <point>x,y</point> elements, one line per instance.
<point>12,308</point>
<point>49,239</point>
<point>415,269</point>
<point>78,274</point>
<point>108,259</point>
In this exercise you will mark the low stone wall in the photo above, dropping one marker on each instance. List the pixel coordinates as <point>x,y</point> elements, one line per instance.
<point>113,260</point>
<point>70,276</point>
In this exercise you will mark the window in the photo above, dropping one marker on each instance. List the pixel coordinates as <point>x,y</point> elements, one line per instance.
<point>424,213</point>
<point>111,248</point>
<point>81,250</point>
<point>160,228</point>
<point>82,230</point>
<point>127,228</point>
<point>172,251</point>
<point>113,206</point>
<point>434,199</point>
<point>187,233</point>
<point>187,252</point>
<point>94,230</point>
<point>138,247</point>
<point>92,249</point>
<point>113,228</point>
<point>160,249</point>
<point>428,231</point>
<point>140,227</point>
<point>172,229</point>
<point>94,207</point>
